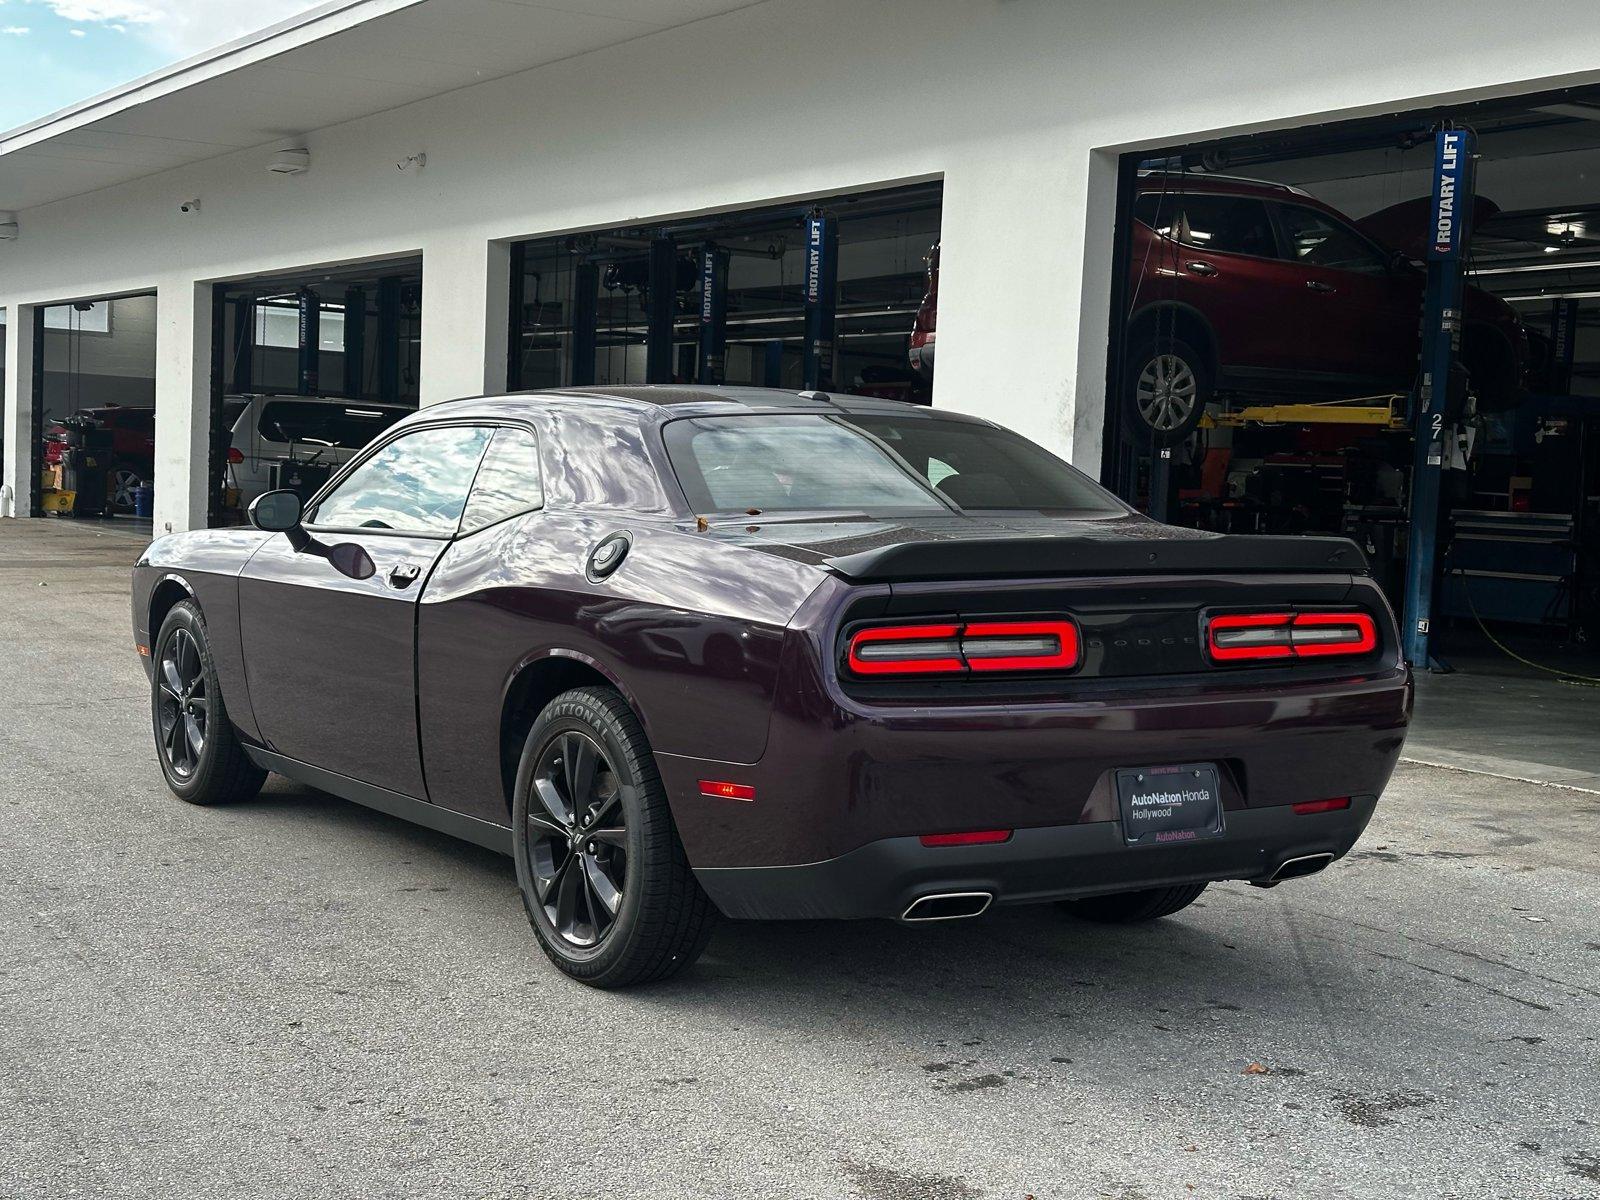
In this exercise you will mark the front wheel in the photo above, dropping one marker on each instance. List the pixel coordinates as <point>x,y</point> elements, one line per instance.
<point>120,485</point>
<point>1130,908</point>
<point>603,876</point>
<point>201,757</point>
<point>1168,385</point>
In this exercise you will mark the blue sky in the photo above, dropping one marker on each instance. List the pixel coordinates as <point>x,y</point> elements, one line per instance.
<point>56,52</point>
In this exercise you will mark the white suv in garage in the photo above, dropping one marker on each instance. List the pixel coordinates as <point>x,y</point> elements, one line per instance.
<point>317,431</point>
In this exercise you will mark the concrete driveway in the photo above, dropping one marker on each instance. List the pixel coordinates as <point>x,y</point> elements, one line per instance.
<point>302,998</point>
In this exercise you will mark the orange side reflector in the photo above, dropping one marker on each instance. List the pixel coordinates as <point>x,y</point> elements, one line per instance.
<point>727,791</point>
<point>144,651</point>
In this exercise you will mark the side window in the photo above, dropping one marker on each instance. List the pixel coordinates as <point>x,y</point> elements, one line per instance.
<point>1229,224</point>
<point>416,484</point>
<point>508,482</point>
<point>1319,240</point>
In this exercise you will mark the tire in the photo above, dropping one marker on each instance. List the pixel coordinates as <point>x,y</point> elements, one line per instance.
<point>1154,414</point>
<point>617,905</point>
<point>1130,908</point>
<point>123,477</point>
<point>185,685</point>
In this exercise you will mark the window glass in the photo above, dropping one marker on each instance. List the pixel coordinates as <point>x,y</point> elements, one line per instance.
<point>1231,224</point>
<point>1321,241</point>
<point>346,426</point>
<point>416,484</point>
<point>978,467</point>
<point>508,481</point>
<point>873,464</point>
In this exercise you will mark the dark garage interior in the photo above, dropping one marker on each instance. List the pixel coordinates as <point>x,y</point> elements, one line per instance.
<point>308,368</point>
<point>750,304</point>
<point>1283,284</point>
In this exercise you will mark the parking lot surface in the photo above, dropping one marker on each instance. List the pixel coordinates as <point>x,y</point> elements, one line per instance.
<point>301,998</point>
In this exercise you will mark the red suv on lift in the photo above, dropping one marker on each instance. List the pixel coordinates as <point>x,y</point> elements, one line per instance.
<point>1237,287</point>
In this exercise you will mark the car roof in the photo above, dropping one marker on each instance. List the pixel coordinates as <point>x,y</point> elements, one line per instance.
<point>1178,182</point>
<point>658,403</point>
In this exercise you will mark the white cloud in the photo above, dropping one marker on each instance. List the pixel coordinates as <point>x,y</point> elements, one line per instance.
<point>14,30</point>
<point>77,33</point>
<point>179,27</point>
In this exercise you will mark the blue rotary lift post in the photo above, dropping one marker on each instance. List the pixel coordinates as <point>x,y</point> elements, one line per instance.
<point>310,380</point>
<point>822,297</point>
<point>1451,214</point>
<point>713,313</point>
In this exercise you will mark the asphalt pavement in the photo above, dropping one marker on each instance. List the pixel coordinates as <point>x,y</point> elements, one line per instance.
<point>298,997</point>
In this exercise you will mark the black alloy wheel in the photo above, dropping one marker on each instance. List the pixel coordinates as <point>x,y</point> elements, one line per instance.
<point>604,878</point>
<point>201,757</point>
<point>183,707</point>
<point>578,839</point>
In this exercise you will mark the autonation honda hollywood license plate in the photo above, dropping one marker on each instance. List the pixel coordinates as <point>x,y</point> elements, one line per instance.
<point>1162,805</point>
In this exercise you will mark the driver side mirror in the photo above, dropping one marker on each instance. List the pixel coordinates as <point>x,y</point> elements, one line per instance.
<point>282,512</point>
<point>276,512</point>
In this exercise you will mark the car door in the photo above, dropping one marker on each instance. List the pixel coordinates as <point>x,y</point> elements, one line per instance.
<point>1218,254</point>
<point>1361,313</point>
<point>331,658</point>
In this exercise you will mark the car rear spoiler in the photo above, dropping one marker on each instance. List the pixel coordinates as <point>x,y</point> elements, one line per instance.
<point>1020,557</point>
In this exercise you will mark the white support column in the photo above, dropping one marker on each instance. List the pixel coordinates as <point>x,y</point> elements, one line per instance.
<point>16,482</point>
<point>466,296</point>
<point>183,404</point>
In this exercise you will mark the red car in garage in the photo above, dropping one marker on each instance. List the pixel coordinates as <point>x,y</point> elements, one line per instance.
<point>133,446</point>
<point>1238,287</point>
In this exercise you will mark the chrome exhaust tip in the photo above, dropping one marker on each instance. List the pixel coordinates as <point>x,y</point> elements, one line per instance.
<point>1294,868</point>
<point>947,906</point>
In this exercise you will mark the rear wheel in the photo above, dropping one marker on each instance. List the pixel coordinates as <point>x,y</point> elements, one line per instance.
<point>1167,386</point>
<point>120,483</point>
<point>1129,908</point>
<point>200,756</point>
<point>603,876</point>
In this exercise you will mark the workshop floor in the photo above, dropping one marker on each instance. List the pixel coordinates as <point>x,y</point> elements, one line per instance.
<point>301,998</point>
<point>1503,717</point>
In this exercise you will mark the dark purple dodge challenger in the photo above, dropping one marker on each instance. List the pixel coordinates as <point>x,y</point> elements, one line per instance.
<point>686,651</point>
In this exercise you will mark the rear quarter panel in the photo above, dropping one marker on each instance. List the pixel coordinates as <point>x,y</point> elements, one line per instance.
<point>689,629</point>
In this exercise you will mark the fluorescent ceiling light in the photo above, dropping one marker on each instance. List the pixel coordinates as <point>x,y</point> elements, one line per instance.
<point>1552,296</point>
<point>1546,266</point>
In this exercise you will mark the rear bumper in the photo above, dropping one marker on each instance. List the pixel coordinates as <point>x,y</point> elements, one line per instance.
<point>883,878</point>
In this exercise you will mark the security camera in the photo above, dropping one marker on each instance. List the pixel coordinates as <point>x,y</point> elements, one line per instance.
<point>189,206</point>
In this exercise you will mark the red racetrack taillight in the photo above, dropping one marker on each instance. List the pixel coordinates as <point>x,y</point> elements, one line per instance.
<point>235,455</point>
<point>952,648</point>
<point>907,650</point>
<point>1020,645</point>
<point>1237,637</point>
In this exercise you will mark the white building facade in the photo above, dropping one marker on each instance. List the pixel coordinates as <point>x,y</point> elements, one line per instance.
<point>537,121</point>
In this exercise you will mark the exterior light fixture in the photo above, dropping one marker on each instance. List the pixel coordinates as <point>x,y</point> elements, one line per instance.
<point>292,159</point>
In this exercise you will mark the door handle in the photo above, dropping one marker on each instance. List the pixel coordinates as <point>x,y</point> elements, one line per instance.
<point>1316,285</point>
<point>403,575</point>
<point>1200,268</point>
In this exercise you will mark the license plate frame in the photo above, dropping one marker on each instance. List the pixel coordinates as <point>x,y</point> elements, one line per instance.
<point>1170,805</point>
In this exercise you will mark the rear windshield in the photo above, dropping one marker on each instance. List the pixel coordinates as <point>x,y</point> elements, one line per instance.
<point>345,426</point>
<point>854,462</point>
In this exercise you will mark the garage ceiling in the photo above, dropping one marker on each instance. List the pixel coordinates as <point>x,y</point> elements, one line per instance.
<point>338,62</point>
